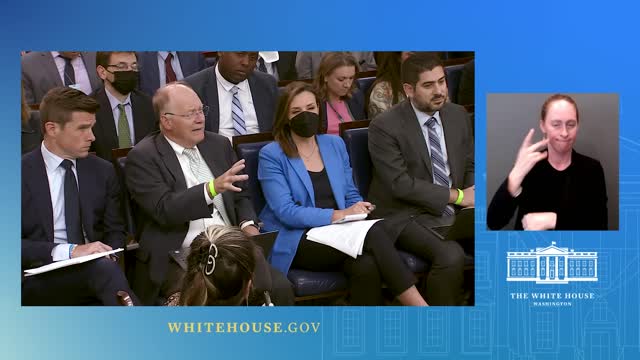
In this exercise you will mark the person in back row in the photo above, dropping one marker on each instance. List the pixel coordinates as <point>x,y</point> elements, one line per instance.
<point>241,100</point>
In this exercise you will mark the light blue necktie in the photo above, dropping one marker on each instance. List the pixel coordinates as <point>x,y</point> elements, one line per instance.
<point>237,114</point>
<point>437,162</point>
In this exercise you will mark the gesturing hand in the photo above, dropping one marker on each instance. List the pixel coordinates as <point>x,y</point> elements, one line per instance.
<point>225,181</point>
<point>528,155</point>
<point>539,221</point>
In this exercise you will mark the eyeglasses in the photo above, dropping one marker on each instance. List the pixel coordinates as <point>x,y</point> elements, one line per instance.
<point>192,114</point>
<point>124,66</point>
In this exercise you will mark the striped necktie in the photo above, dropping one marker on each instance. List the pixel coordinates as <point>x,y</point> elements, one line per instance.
<point>124,133</point>
<point>69,72</point>
<point>437,161</point>
<point>203,174</point>
<point>236,113</point>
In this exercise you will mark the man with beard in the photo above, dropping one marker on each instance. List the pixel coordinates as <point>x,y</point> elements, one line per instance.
<point>241,100</point>
<point>423,167</point>
<point>126,114</point>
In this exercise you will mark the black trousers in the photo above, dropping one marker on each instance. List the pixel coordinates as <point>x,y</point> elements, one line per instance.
<point>379,261</point>
<point>94,282</point>
<point>446,276</point>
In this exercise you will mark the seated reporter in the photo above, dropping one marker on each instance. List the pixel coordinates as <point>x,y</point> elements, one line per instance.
<point>70,208</point>
<point>307,182</point>
<point>220,266</point>
<point>341,99</point>
<point>555,188</point>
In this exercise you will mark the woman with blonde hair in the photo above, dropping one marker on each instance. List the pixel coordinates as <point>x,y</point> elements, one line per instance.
<point>340,99</point>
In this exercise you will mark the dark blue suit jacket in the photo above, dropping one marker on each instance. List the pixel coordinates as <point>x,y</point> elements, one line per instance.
<point>288,190</point>
<point>99,200</point>
<point>190,62</point>
<point>264,91</point>
<point>144,122</point>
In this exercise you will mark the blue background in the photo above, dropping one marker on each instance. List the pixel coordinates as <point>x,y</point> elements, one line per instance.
<point>542,46</point>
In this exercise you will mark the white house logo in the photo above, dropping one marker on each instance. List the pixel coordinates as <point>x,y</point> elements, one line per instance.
<point>552,265</point>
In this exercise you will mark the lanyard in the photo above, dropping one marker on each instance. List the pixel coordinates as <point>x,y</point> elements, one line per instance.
<point>335,111</point>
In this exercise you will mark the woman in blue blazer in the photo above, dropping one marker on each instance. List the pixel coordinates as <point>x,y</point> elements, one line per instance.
<point>307,182</point>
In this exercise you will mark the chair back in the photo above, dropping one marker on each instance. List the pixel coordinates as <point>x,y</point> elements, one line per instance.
<point>357,142</point>
<point>248,147</point>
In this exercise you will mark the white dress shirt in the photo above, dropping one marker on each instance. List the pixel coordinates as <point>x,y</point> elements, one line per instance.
<point>225,98</point>
<point>82,77</point>
<point>55,176</point>
<point>113,102</point>
<point>175,64</point>
<point>199,225</point>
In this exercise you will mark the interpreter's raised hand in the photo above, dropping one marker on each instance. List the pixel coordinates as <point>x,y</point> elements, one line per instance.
<point>225,181</point>
<point>90,248</point>
<point>539,221</point>
<point>528,155</point>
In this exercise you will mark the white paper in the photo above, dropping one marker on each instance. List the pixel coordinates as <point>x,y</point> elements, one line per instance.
<point>347,238</point>
<point>69,262</point>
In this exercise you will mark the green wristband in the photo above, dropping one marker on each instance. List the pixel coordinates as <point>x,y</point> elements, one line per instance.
<point>212,190</point>
<point>460,197</point>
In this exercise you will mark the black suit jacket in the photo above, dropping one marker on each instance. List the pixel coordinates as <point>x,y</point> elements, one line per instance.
<point>264,92</point>
<point>99,200</point>
<point>156,183</point>
<point>190,62</point>
<point>144,122</point>
<point>402,182</point>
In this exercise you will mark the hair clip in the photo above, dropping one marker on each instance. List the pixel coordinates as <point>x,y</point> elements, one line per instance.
<point>211,260</point>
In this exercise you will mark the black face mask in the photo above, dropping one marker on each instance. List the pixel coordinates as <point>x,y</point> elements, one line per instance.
<point>305,124</point>
<point>125,81</point>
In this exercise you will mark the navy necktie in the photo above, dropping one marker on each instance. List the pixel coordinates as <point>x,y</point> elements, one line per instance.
<point>69,73</point>
<point>72,205</point>
<point>437,161</point>
<point>262,66</point>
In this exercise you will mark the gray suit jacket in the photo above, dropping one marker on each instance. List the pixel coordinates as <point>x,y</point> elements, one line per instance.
<point>308,62</point>
<point>402,182</point>
<point>40,74</point>
<point>156,183</point>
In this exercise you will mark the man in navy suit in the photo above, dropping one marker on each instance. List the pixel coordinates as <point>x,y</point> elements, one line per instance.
<point>70,208</point>
<point>241,100</point>
<point>126,114</point>
<point>158,68</point>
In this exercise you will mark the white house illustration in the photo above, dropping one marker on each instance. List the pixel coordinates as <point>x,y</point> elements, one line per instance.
<point>552,265</point>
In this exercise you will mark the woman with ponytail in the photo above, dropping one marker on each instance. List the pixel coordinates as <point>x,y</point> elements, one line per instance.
<point>219,269</point>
